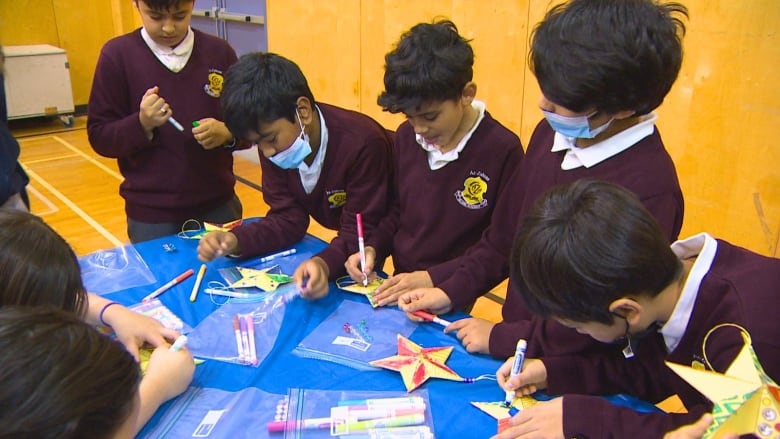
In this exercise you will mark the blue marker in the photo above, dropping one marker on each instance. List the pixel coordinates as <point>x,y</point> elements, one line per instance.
<point>517,366</point>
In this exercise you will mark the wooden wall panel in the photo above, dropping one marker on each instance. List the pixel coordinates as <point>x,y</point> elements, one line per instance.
<point>323,38</point>
<point>720,122</point>
<point>25,22</point>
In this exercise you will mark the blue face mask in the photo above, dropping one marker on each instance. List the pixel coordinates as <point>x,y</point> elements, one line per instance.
<point>574,126</point>
<point>293,156</point>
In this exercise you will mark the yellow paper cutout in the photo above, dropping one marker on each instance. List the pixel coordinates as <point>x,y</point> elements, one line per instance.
<point>200,232</point>
<point>746,400</point>
<point>251,277</point>
<point>498,410</point>
<point>144,354</point>
<point>417,364</point>
<point>347,284</point>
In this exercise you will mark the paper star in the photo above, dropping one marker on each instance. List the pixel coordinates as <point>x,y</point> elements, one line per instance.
<point>347,284</point>
<point>417,364</point>
<point>746,400</point>
<point>210,227</point>
<point>498,410</point>
<point>252,277</point>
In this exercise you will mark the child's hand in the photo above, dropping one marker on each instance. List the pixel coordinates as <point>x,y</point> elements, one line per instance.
<point>312,278</point>
<point>153,110</point>
<point>134,330</point>
<point>433,300</point>
<point>167,375</point>
<point>392,288</point>
<point>353,266</point>
<point>216,244</point>
<point>531,378</point>
<point>473,333</point>
<point>541,420</point>
<point>211,133</point>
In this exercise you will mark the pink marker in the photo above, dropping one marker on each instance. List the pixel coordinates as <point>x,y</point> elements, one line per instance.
<point>250,324</point>
<point>244,338</point>
<point>239,343</point>
<point>361,247</point>
<point>431,318</point>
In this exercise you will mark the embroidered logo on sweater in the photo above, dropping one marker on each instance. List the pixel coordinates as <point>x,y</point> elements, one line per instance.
<point>213,88</point>
<point>473,194</point>
<point>336,198</point>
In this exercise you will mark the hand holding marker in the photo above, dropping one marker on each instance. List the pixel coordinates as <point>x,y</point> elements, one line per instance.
<point>431,318</point>
<point>361,247</point>
<point>517,366</point>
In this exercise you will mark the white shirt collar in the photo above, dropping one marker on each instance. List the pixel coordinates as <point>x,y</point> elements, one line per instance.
<point>704,247</point>
<point>174,58</point>
<point>598,152</point>
<point>311,174</point>
<point>437,159</point>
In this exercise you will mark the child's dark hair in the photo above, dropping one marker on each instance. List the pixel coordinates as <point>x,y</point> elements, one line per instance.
<point>611,55</point>
<point>431,63</point>
<point>165,5</point>
<point>37,266</point>
<point>61,378</point>
<point>261,88</point>
<point>585,245</point>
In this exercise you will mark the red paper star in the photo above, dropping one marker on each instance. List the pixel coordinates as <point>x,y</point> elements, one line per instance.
<point>417,364</point>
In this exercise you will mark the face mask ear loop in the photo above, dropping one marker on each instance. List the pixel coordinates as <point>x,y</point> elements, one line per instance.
<point>628,351</point>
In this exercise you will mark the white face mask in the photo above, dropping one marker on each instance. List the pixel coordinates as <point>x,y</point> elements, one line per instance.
<point>293,156</point>
<point>574,126</point>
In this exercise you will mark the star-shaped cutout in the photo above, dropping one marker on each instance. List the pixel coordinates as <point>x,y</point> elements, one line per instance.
<point>417,364</point>
<point>745,399</point>
<point>252,277</point>
<point>210,227</point>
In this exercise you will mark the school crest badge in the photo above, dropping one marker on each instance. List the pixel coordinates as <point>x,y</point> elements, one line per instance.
<point>215,83</point>
<point>472,196</point>
<point>337,198</point>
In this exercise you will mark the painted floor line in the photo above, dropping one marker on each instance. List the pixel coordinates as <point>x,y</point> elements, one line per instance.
<point>90,159</point>
<point>52,208</point>
<point>59,195</point>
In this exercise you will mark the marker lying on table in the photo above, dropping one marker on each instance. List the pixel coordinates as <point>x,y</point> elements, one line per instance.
<point>431,318</point>
<point>198,280</point>
<point>355,415</point>
<point>517,366</point>
<point>277,255</point>
<point>403,401</point>
<point>169,285</point>
<point>239,341</point>
<point>179,343</point>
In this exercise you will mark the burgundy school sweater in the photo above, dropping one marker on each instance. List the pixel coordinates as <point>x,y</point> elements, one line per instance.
<point>740,287</point>
<point>13,179</point>
<point>170,178</point>
<point>356,177</point>
<point>437,215</point>
<point>646,169</point>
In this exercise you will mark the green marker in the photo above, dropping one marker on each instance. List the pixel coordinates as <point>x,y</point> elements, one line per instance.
<point>195,124</point>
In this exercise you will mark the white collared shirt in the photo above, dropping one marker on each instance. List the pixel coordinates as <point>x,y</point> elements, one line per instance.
<point>173,58</point>
<point>311,174</point>
<point>437,159</point>
<point>598,152</point>
<point>704,247</point>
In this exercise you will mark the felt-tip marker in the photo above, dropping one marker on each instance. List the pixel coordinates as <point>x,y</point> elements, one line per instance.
<point>431,318</point>
<point>517,366</point>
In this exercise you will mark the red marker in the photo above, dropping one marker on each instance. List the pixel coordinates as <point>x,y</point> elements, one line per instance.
<point>430,317</point>
<point>169,285</point>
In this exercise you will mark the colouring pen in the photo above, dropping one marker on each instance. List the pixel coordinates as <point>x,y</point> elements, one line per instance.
<point>179,343</point>
<point>416,432</point>
<point>250,324</point>
<point>361,247</point>
<point>395,421</point>
<point>517,366</point>
<point>175,123</point>
<point>244,338</point>
<point>198,280</point>
<point>289,252</point>
<point>358,415</point>
<point>232,293</point>
<point>431,318</point>
<point>167,286</point>
<point>195,124</point>
<point>239,342</point>
<point>404,401</point>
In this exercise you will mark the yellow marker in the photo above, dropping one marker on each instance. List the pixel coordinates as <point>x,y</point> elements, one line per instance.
<point>198,280</point>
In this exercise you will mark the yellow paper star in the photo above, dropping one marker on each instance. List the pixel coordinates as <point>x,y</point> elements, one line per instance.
<point>746,400</point>
<point>251,277</point>
<point>417,364</point>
